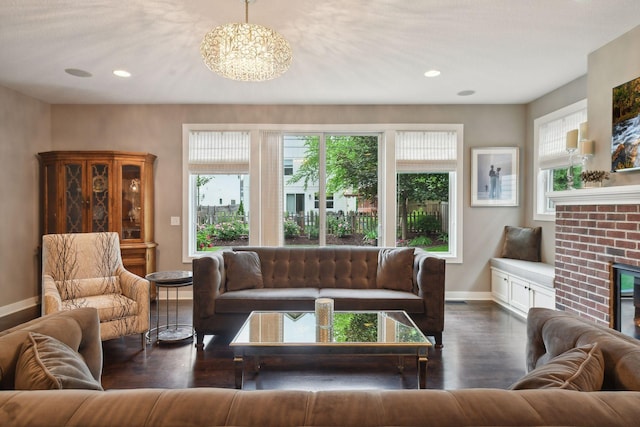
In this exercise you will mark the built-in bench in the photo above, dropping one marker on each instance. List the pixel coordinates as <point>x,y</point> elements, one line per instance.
<point>519,285</point>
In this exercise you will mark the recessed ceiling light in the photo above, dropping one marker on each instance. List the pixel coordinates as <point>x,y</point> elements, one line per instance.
<point>122,73</point>
<point>432,73</point>
<point>77,72</point>
<point>466,92</point>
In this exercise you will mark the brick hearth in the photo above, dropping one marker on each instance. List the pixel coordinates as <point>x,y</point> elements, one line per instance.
<point>594,229</point>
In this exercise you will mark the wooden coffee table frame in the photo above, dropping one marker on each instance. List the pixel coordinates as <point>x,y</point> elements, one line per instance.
<point>417,350</point>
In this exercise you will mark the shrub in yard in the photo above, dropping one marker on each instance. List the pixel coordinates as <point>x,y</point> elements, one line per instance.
<point>291,229</point>
<point>428,224</point>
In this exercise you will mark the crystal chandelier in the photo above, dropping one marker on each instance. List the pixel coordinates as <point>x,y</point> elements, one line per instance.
<point>246,52</point>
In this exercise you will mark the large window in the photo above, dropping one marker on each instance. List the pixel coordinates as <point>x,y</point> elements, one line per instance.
<point>344,170</point>
<point>426,165</point>
<point>218,208</point>
<point>551,159</point>
<point>274,185</point>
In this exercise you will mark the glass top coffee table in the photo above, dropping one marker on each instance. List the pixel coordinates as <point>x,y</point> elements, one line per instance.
<point>382,333</point>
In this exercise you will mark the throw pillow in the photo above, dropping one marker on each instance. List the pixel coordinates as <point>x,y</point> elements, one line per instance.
<point>44,363</point>
<point>243,270</point>
<point>522,243</point>
<point>580,369</point>
<point>395,269</point>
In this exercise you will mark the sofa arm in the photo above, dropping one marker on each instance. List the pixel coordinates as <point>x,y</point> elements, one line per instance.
<point>51,299</point>
<point>208,276</point>
<point>430,278</point>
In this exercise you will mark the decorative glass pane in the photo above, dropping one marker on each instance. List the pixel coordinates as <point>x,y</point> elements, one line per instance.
<point>131,202</point>
<point>99,197</point>
<point>73,198</point>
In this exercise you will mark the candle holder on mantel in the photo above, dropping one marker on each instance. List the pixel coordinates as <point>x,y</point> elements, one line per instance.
<point>571,146</point>
<point>324,319</point>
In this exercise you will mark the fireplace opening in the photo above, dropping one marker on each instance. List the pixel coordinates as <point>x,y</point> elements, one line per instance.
<point>626,299</point>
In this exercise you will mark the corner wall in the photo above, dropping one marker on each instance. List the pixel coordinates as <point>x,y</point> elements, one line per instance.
<point>25,129</point>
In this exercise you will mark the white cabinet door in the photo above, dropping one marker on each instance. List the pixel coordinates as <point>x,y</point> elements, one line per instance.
<point>543,297</point>
<point>520,297</point>
<point>500,285</point>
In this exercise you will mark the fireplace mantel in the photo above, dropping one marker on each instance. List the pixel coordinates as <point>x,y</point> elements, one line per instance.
<point>618,195</point>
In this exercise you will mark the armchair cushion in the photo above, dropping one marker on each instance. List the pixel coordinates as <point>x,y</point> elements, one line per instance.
<point>45,363</point>
<point>243,270</point>
<point>395,269</point>
<point>580,369</point>
<point>80,288</point>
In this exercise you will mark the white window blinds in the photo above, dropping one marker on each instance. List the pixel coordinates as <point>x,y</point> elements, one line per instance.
<point>435,151</point>
<point>552,139</point>
<point>211,151</point>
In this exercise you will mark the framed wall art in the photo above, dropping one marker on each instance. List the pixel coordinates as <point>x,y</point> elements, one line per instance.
<point>625,133</point>
<point>494,176</point>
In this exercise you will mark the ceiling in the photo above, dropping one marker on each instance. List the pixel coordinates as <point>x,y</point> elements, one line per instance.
<point>345,51</point>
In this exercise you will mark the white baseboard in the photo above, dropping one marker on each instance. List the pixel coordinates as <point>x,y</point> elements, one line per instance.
<point>467,296</point>
<point>6,310</point>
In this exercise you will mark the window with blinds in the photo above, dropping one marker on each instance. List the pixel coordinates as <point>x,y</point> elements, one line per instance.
<point>426,150</point>
<point>551,159</point>
<point>553,136</point>
<point>218,152</point>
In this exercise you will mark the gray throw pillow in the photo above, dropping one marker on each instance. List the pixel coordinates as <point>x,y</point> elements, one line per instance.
<point>395,269</point>
<point>580,369</point>
<point>522,243</point>
<point>243,270</point>
<point>45,363</point>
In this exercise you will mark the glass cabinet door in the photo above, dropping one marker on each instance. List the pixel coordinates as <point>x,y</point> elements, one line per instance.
<point>73,197</point>
<point>99,200</point>
<point>131,202</point>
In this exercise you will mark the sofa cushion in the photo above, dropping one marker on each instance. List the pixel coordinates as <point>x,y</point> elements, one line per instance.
<point>522,243</point>
<point>46,363</point>
<point>373,300</point>
<point>395,269</point>
<point>580,369</point>
<point>247,300</point>
<point>243,270</point>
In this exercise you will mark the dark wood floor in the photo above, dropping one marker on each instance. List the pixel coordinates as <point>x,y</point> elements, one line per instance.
<point>484,346</point>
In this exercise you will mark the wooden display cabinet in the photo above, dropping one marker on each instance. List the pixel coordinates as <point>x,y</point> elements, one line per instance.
<point>95,191</point>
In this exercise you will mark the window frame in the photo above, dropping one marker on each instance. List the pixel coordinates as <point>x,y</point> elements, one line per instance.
<point>543,209</point>
<point>262,149</point>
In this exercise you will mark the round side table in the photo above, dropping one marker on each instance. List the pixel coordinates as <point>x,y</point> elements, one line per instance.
<point>170,331</point>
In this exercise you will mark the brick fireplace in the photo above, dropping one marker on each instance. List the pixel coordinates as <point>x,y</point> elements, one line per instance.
<point>594,229</point>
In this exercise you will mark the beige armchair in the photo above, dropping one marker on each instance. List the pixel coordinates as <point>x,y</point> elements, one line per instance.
<point>85,270</point>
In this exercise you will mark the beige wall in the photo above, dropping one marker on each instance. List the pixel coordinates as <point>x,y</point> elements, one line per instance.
<point>25,129</point>
<point>158,129</point>
<point>613,64</point>
<point>566,95</point>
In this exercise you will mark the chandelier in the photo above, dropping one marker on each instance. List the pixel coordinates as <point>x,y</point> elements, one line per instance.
<point>246,52</point>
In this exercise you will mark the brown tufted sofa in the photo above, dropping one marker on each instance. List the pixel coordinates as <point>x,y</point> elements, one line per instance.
<point>293,277</point>
<point>227,407</point>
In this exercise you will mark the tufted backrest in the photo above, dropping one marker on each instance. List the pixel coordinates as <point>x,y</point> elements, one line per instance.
<point>348,267</point>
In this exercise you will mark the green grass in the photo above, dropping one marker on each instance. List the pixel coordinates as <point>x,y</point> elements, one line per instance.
<point>439,248</point>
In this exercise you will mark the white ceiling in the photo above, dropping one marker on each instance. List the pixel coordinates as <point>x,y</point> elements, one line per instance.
<point>345,51</point>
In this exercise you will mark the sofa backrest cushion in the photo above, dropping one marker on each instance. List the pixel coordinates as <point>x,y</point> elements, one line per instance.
<point>243,270</point>
<point>322,267</point>
<point>579,369</point>
<point>48,364</point>
<point>395,269</point>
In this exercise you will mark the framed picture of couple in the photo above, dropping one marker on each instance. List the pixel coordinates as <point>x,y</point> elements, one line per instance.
<point>494,176</point>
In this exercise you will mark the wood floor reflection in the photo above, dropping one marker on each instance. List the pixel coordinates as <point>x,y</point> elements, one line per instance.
<point>484,346</point>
